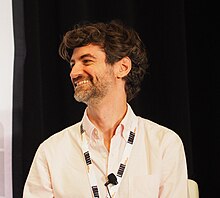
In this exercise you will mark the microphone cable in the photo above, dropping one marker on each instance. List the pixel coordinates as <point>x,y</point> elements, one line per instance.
<point>112,179</point>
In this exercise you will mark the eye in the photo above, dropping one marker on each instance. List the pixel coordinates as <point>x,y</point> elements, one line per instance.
<point>71,65</point>
<point>87,62</point>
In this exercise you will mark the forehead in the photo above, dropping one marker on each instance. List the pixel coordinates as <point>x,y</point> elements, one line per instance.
<point>94,51</point>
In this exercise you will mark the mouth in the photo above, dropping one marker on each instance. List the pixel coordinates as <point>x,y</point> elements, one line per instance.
<point>79,83</point>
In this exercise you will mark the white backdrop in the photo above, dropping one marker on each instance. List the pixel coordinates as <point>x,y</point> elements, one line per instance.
<point>6,90</point>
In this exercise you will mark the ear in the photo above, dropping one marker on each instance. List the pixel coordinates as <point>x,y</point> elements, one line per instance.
<point>123,67</point>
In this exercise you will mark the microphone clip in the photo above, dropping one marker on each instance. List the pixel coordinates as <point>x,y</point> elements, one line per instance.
<point>112,179</point>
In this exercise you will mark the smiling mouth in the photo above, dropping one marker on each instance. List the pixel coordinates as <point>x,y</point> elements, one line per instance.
<point>79,83</point>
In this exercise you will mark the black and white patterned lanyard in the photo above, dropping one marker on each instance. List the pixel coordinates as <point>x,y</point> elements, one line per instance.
<point>122,165</point>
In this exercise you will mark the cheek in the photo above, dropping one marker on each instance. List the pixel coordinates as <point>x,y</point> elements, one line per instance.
<point>89,71</point>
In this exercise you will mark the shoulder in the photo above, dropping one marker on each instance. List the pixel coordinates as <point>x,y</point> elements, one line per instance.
<point>157,132</point>
<point>62,148</point>
<point>68,137</point>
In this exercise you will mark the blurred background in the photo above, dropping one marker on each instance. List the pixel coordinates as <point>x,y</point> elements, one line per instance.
<point>177,90</point>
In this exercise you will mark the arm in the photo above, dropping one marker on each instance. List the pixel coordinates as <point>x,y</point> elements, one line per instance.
<point>174,168</point>
<point>38,183</point>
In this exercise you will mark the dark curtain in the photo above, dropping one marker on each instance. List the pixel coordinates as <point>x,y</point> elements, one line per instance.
<point>176,91</point>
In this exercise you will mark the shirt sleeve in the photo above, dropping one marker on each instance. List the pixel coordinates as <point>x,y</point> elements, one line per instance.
<point>38,183</point>
<point>174,168</point>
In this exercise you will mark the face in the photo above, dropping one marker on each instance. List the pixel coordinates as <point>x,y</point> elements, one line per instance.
<point>92,78</point>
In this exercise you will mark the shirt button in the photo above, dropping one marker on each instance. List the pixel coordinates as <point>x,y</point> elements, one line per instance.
<point>96,134</point>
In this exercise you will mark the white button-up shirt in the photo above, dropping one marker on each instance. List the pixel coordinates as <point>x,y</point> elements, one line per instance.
<point>156,167</point>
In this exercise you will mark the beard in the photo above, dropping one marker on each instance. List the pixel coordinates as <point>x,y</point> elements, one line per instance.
<point>88,92</point>
<point>93,91</point>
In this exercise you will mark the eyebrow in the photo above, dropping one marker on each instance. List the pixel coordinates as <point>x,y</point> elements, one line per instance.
<point>82,57</point>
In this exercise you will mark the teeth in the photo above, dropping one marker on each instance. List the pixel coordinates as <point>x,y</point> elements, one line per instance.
<point>81,82</point>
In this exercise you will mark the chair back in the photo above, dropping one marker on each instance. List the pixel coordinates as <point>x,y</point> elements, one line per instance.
<point>193,189</point>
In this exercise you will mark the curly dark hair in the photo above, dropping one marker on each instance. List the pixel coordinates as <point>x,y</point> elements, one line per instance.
<point>117,41</point>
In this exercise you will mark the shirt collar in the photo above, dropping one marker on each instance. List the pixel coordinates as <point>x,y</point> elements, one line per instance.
<point>124,127</point>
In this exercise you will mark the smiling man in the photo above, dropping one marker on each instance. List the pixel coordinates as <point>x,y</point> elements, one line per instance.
<point>111,152</point>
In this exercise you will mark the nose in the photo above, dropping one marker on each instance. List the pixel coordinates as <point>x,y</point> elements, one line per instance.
<point>76,71</point>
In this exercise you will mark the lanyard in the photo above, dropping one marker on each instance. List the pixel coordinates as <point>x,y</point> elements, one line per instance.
<point>122,166</point>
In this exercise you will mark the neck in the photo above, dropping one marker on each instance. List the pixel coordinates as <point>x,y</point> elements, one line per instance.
<point>106,116</point>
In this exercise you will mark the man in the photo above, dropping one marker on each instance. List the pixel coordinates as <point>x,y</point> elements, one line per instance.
<point>111,152</point>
